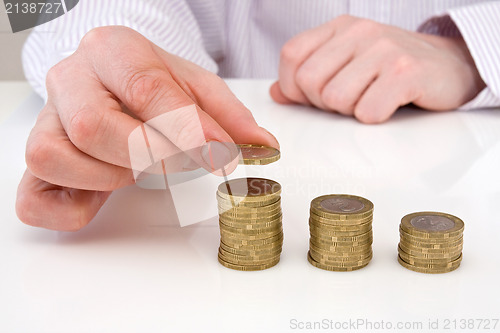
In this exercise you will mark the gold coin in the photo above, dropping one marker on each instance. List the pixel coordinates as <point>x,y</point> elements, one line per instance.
<point>432,225</point>
<point>335,238</point>
<point>409,247</point>
<point>341,228</point>
<point>247,239</point>
<point>237,214</point>
<point>242,237</point>
<point>248,267</point>
<point>341,235</point>
<point>244,204</point>
<point>417,239</point>
<point>444,246</point>
<point>340,223</point>
<point>255,243</point>
<point>250,189</point>
<point>272,249</point>
<point>248,261</point>
<point>342,207</point>
<point>242,259</point>
<point>340,250</point>
<point>320,257</point>
<point>419,261</point>
<point>258,154</point>
<point>336,263</point>
<point>433,255</point>
<point>327,243</point>
<point>274,228</point>
<point>249,250</point>
<point>254,220</point>
<point>333,268</point>
<point>427,270</point>
<point>450,264</point>
<point>249,225</point>
<point>265,206</point>
<point>331,236</point>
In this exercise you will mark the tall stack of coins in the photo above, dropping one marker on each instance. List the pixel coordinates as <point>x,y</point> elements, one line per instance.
<point>341,232</point>
<point>431,242</point>
<point>250,222</point>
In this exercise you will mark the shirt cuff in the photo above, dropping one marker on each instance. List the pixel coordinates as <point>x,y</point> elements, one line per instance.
<point>478,26</point>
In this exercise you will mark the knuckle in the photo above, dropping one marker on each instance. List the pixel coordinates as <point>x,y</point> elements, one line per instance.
<point>344,19</point>
<point>289,53</point>
<point>142,87</point>
<point>386,45</point>
<point>84,126</point>
<point>110,40</point>
<point>335,99</point>
<point>205,81</point>
<point>39,152</point>
<point>98,36</point>
<point>56,73</point>
<point>364,27</point>
<point>306,77</point>
<point>186,130</point>
<point>404,63</point>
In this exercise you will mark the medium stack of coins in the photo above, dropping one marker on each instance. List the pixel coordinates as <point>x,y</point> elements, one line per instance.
<point>341,232</point>
<point>431,242</point>
<point>250,222</point>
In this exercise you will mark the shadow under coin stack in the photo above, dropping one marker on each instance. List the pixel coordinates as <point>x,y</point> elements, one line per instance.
<point>341,232</point>
<point>431,242</point>
<point>250,222</point>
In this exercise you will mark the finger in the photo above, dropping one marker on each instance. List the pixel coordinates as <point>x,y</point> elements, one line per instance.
<point>384,96</point>
<point>213,95</point>
<point>322,66</point>
<point>343,91</point>
<point>138,78</point>
<point>95,123</point>
<point>41,204</point>
<point>52,157</point>
<point>294,53</point>
<point>277,95</point>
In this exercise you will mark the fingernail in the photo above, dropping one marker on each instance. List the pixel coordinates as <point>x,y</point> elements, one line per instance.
<point>217,154</point>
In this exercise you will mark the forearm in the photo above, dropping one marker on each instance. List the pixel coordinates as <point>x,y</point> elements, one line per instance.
<point>169,24</point>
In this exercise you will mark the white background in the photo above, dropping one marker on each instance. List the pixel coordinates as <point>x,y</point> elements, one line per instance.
<point>133,269</point>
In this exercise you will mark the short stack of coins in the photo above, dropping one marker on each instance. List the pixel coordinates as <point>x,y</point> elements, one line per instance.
<point>250,221</point>
<point>341,232</point>
<point>431,242</point>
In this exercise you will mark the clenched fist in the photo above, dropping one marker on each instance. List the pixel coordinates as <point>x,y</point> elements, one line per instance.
<point>364,69</point>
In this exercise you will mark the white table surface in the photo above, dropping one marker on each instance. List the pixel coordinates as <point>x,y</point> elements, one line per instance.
<point>133,269</point>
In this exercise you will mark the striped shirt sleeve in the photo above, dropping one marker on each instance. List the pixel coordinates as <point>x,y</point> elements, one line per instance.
<point>169,24</point>
<point>479,25</point>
